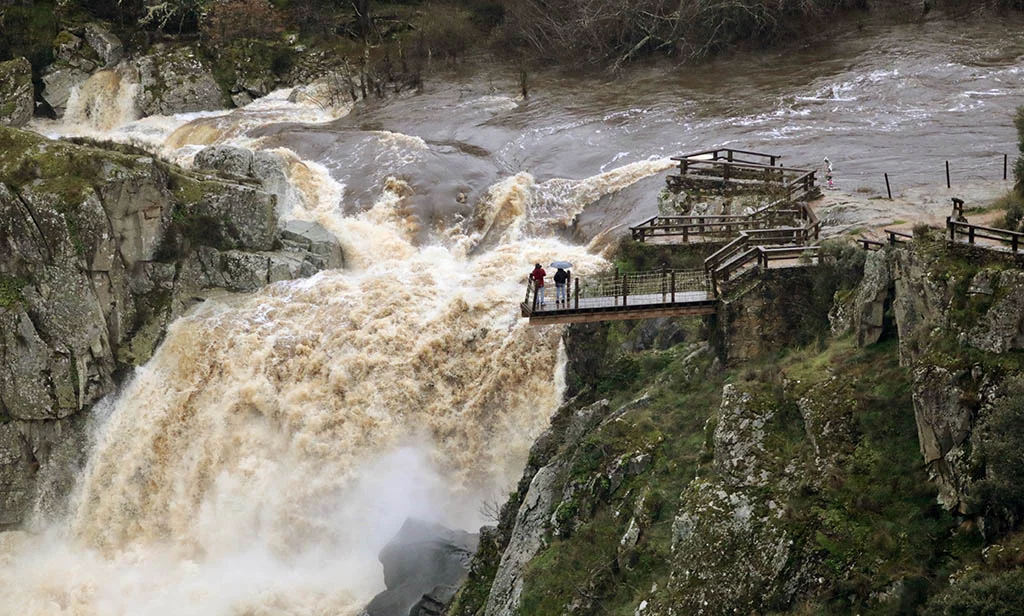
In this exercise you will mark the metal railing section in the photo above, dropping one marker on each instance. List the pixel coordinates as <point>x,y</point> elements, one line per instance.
<point>613,289</point>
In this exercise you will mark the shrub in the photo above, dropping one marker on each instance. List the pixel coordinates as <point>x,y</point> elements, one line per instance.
<point>1013,204</point>
<point>1000,495</point>
<point>978,594</point>
<point>227,20</point>
<point>448,31</point>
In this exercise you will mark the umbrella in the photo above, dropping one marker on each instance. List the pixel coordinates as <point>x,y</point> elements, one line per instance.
<point>561,264</point>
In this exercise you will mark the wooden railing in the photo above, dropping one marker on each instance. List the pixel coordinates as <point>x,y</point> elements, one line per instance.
<point>741,165</point>
<point>753,244</point>
<point>613,289</point>
<point>1004,237</point>
<point>894,237</point>
<point>714,227</point>
<point>732,155</point>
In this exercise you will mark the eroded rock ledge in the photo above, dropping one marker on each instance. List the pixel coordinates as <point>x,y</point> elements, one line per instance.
<point>100,249</point>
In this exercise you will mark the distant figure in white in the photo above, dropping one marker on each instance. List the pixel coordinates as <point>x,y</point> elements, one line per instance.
<point>826,168</point>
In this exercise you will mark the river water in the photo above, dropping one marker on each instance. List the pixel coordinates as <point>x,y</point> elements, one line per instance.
<point>276,441</point>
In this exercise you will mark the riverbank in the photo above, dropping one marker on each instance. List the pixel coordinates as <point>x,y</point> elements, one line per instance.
<point>868,215</point>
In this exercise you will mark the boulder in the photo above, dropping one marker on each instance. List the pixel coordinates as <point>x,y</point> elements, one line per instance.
<point>107,46</point>
<point>1001,328</point>
<point>422,559</point>
<point>74,62</point>
<point>176,80</point>
<point>319,245</point>
<point>740,439</point>
<point>920,304</point>
<point>731,553</point>
<point>58,82</point>
<point>16,94</point>
<point>226,159</point>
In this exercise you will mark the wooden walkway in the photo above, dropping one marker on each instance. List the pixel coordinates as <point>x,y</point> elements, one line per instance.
<point>784,232</point>
<point>619,297</point>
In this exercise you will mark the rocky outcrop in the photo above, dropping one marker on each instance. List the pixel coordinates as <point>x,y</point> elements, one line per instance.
<point>871,301</point>
<point>753,573</point>
<point>920,304</point>
<point>533,517</point>
<point>73,62</point>
<point>423,566</point>
<point>176,80</point>
<point>100,249</point>
<point>767,312</point>
<point>1001,328</point>
<point>107,46</point>
<point>16,98</point>
<point>77,54</point>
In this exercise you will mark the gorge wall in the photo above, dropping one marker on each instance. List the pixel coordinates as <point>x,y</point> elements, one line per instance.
<point>841,459</point>
<point>101,248</point>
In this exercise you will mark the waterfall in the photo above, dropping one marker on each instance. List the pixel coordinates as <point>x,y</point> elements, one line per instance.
<point>107,99</point>
<point>275,441</point>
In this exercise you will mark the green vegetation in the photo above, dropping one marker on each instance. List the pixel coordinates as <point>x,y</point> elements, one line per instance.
<point>999,496</point>
<point>585,563</point>
<point>871,522</point>
<point>10,291</point>
<point>28,29</point>
<point>372,35</point>
<point>838,449</point>
<point>1018,165</point>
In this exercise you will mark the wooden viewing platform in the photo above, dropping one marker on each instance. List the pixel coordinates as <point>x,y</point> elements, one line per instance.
<point>617,297</point>
<point>741,170</point>
<point>785,231</point>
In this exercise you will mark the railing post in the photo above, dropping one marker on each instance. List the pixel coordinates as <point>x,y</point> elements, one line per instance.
<point>664,289</point>
<point>577,282</point>
<point>673,284</point>
<point>952,228</point>
<point>970,234</point>
<point>1013,242</point>
<point>624,291</point>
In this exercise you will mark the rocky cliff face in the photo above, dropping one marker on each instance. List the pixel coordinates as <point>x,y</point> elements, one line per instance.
<point>821,469</point>
<point>16,94</point>
<point>100,249</point>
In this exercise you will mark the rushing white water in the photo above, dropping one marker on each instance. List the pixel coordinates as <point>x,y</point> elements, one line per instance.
<point>276,441</point>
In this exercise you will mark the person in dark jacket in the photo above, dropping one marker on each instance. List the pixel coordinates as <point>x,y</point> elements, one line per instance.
<point>538,275</point>
<point>561,284</point>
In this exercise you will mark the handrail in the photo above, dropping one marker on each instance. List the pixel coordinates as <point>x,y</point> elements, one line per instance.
<point>730,154</point>
<point>719,162</point>
<point>1014,238</point>
<point>612,289</point>
<point>897,237</point>
<point>695,224</point>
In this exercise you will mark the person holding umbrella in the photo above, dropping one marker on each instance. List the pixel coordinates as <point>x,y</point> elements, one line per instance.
<point>562,277</point>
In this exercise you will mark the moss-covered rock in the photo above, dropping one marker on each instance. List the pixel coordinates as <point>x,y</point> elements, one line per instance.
<point>101,247</point>
<point>16,94</point>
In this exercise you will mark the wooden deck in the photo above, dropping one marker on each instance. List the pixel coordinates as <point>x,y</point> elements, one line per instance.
<point>784,232</point>
<point>611,308</point>
<point>615,297</point>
